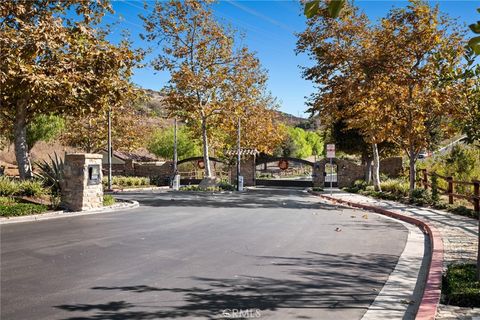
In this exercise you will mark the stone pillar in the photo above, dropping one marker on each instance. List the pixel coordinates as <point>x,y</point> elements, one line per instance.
<point>82,185</point>
<point>317,174</point>
<point>247,170</point>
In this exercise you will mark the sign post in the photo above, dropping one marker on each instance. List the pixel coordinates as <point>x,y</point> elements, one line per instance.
<point>331,155</point>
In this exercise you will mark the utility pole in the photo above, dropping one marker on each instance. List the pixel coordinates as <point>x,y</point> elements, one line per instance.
<point>238,155</point>
<point>109,149</point>
<point>175,156</point>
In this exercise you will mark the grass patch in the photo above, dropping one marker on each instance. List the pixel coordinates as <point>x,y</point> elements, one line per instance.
<point>461,287</point>
<point>21,209</point>
<point>108,200</point>
<point>317,189</point>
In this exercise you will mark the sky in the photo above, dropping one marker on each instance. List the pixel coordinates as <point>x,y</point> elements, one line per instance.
<point>269,29</point>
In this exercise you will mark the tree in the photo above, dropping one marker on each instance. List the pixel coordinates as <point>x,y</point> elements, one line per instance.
<point>337,46</point>
<point>44,128</point>
<point>200,56</point>
<point>161,143</point>
<point>405,98</point>
<point>332,7</point>
<point>56,60</point>
<point>299,143</point>
<point>474,43</point>
<point>90,132</point>
<point>388,76</point>
<point>351,141</point>
<point>469,111</point>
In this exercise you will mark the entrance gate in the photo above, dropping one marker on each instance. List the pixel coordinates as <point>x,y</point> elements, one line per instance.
<point>283,172</point>
<point>191,169</point>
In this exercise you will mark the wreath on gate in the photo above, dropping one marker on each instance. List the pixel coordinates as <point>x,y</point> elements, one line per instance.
<point>201,164</point>
<point>283,164</point>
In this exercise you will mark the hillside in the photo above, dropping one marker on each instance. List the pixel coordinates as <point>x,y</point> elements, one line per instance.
<point>154,106</point>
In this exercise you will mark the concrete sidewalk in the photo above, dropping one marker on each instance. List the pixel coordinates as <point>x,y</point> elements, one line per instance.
<point>459,235</point>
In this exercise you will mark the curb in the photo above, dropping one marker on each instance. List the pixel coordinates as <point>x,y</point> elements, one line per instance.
<point>431,294</point>
<point>124,205</point>
<point>115,191</point>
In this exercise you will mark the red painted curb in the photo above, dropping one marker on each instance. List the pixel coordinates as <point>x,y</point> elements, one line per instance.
<point>431,294</point>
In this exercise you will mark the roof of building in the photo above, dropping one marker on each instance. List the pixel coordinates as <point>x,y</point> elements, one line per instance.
<point>142,156</point>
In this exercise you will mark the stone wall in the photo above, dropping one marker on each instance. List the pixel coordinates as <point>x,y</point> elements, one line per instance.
<point>347,172</point>
<point>392,167</point>
<point>154,169</point>
<point>79,192</point>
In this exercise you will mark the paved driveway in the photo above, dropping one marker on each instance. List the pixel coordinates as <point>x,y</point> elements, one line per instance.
<point>276,254</point>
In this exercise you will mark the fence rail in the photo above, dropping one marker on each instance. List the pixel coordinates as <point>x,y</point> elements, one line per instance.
<point>473,198</point>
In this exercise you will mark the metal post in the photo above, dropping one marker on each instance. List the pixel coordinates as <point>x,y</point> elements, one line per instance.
<point>175,156</point>
<point>238,155</point>
<point>109,149</point>
<point>331,176</point>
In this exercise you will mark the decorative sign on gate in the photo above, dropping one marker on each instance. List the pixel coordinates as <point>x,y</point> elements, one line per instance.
<point>201,164</point>
<point>330,151</point>
<point>283,164</point>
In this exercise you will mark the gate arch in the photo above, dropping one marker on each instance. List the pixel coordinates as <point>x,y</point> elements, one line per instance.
<point>288,182</point>
<point>192,176</point>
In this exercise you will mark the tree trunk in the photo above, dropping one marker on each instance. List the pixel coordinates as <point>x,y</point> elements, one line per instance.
<point>368,170</point>
<point>376,168</point>
<point>206,159</point>
<point>412,174</point>
<point>20,141</point>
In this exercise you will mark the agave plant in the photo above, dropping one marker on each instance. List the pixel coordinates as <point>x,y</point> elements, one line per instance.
<point>51,172</point>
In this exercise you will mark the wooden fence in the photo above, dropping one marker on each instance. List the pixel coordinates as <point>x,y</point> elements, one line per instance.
<point>450,190</point>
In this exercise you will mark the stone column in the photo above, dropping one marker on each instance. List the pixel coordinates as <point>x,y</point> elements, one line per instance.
<point>317,174</point>
<point>247,171</point>
<point>82,185</point>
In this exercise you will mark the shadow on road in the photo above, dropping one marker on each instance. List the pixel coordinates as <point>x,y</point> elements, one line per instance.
<point>313,281</point>
<point>290,198</point>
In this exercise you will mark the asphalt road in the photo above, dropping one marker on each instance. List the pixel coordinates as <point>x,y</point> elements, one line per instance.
<point>268,254</point>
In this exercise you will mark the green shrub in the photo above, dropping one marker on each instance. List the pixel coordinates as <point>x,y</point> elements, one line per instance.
<point>462,211</point>
<point>21,209</point>
<point>158,181</point>
<point>51,173</point>
<point>225,186</point>
<point>420,197</point>
<point>397,187</point>
<point>435,195</point>
<point>357,186</point>
<point>12,187</point>
<point>197,188</point>
<point>7,201</point>
<point>461,287</point>
<point>8,187</point>
<point>121,181</point>
<point>108,200</point>
<point>31,188</point>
